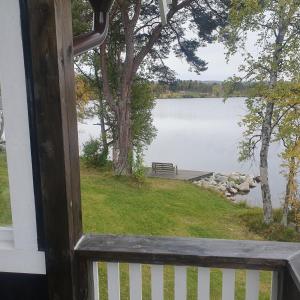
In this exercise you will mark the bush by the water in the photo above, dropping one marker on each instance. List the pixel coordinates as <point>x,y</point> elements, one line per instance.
<point>275,231</point>
<point>93,153</point>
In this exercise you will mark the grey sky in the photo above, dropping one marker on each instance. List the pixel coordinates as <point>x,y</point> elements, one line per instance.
<point>218,69</point>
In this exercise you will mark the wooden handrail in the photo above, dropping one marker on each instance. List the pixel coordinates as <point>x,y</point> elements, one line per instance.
<point>281,258</point>
<point>189,251</point>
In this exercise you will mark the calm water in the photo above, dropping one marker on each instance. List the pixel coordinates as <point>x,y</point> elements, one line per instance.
<point>203,134</point>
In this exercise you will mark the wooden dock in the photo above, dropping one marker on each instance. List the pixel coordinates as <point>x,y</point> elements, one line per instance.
<point>186,175</point>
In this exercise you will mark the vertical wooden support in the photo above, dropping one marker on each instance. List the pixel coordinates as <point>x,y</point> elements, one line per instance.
<point>180,283</point>
<point>23,287</point>
<point>113,281</point>
<point>228,284</point>
<point>135,281</point>
<point>252,285</point>
<point>203,283</point>
<point>274,285</point>
<point>287,290</point>
<point>55,144</point>
<point>157,282</point>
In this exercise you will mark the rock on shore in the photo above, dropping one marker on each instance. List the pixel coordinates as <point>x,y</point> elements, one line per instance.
<point>231,184</point>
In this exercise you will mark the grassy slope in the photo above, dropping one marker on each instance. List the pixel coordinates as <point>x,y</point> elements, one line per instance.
<point>159,207</point>
<point>167,208</point>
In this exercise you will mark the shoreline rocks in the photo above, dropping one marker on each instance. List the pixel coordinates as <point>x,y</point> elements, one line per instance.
<point>230,185</point>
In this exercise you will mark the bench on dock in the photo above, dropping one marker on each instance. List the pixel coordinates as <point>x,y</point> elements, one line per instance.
<point>164,168</point>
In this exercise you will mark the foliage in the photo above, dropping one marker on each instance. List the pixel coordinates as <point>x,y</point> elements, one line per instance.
<point>276,27</point>
<point>199,89</point>
<point>138,166</point>
<point>94,155</point>
<point>288,132</point>
<point>143,130</point>
<point>253,219</point>
<point>137,46</point>
<point>82,17</point>
<point>85,93</point>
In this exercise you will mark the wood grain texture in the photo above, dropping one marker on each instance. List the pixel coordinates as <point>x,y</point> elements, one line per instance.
<point>54,119</point>
<point>188,251</point>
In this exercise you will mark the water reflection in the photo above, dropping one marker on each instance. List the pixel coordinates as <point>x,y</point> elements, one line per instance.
<point>203,134</point>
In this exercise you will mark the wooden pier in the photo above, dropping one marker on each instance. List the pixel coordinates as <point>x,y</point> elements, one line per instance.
<point>187,175</point>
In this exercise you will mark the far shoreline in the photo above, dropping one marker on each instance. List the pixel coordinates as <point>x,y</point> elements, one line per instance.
<point>198,97</point>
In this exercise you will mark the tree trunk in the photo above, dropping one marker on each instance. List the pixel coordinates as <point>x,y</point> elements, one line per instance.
<point>102,126</point>
<point>123,144</point>
<point>291,189</point>
<point>1,125</point>
<point>266,131</point>
<point>264,152</point>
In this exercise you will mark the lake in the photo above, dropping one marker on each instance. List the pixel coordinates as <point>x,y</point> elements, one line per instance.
<point>203,134</point>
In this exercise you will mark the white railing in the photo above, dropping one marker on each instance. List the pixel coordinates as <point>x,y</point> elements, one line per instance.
<point>171,268</point>
<point>108,283</point>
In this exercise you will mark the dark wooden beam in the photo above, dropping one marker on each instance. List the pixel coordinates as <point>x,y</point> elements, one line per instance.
<point>287,287</point>
<point>55,139</point>
<point>294,268</point>
<point>23,287</point>
<point>187,251</point>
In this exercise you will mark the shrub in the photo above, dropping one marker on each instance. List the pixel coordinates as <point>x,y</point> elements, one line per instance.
<point>138,169</point>
<point>253,219</point>
<point>93,153</point>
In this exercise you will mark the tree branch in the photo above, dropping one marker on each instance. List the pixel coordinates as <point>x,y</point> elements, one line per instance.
<point>156,33</point>
<point>104,71</point>
<point>137,11</point>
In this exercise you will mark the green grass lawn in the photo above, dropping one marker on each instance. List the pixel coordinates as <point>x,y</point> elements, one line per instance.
<point>118,205</point>
<point>5,214</point>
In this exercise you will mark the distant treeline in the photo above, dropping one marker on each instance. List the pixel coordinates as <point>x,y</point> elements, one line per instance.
<point>200,89</point>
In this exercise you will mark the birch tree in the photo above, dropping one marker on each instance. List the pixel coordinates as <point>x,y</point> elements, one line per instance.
<point>277,25</point>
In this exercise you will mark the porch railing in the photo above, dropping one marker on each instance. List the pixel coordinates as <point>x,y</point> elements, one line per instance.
<point>179,254</point>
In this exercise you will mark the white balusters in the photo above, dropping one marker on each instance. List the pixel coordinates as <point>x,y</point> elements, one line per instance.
<point>203,284</point>
<point>157,282</point>
<point>181,286</point>
<point>228,286</point>
<point>135,281</point>
<point>96,281</point>
<point>113,281</point>
<point>180,283</point>
<point>252,285</point>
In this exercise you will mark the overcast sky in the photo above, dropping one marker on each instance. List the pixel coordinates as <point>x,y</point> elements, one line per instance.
<point>214,54</point>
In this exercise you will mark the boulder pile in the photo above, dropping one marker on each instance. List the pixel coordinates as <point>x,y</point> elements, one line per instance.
<point>231,184</point>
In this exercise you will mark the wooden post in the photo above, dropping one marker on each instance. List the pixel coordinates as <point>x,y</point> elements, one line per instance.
<point>287,289</point>
<point>54,141</point>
